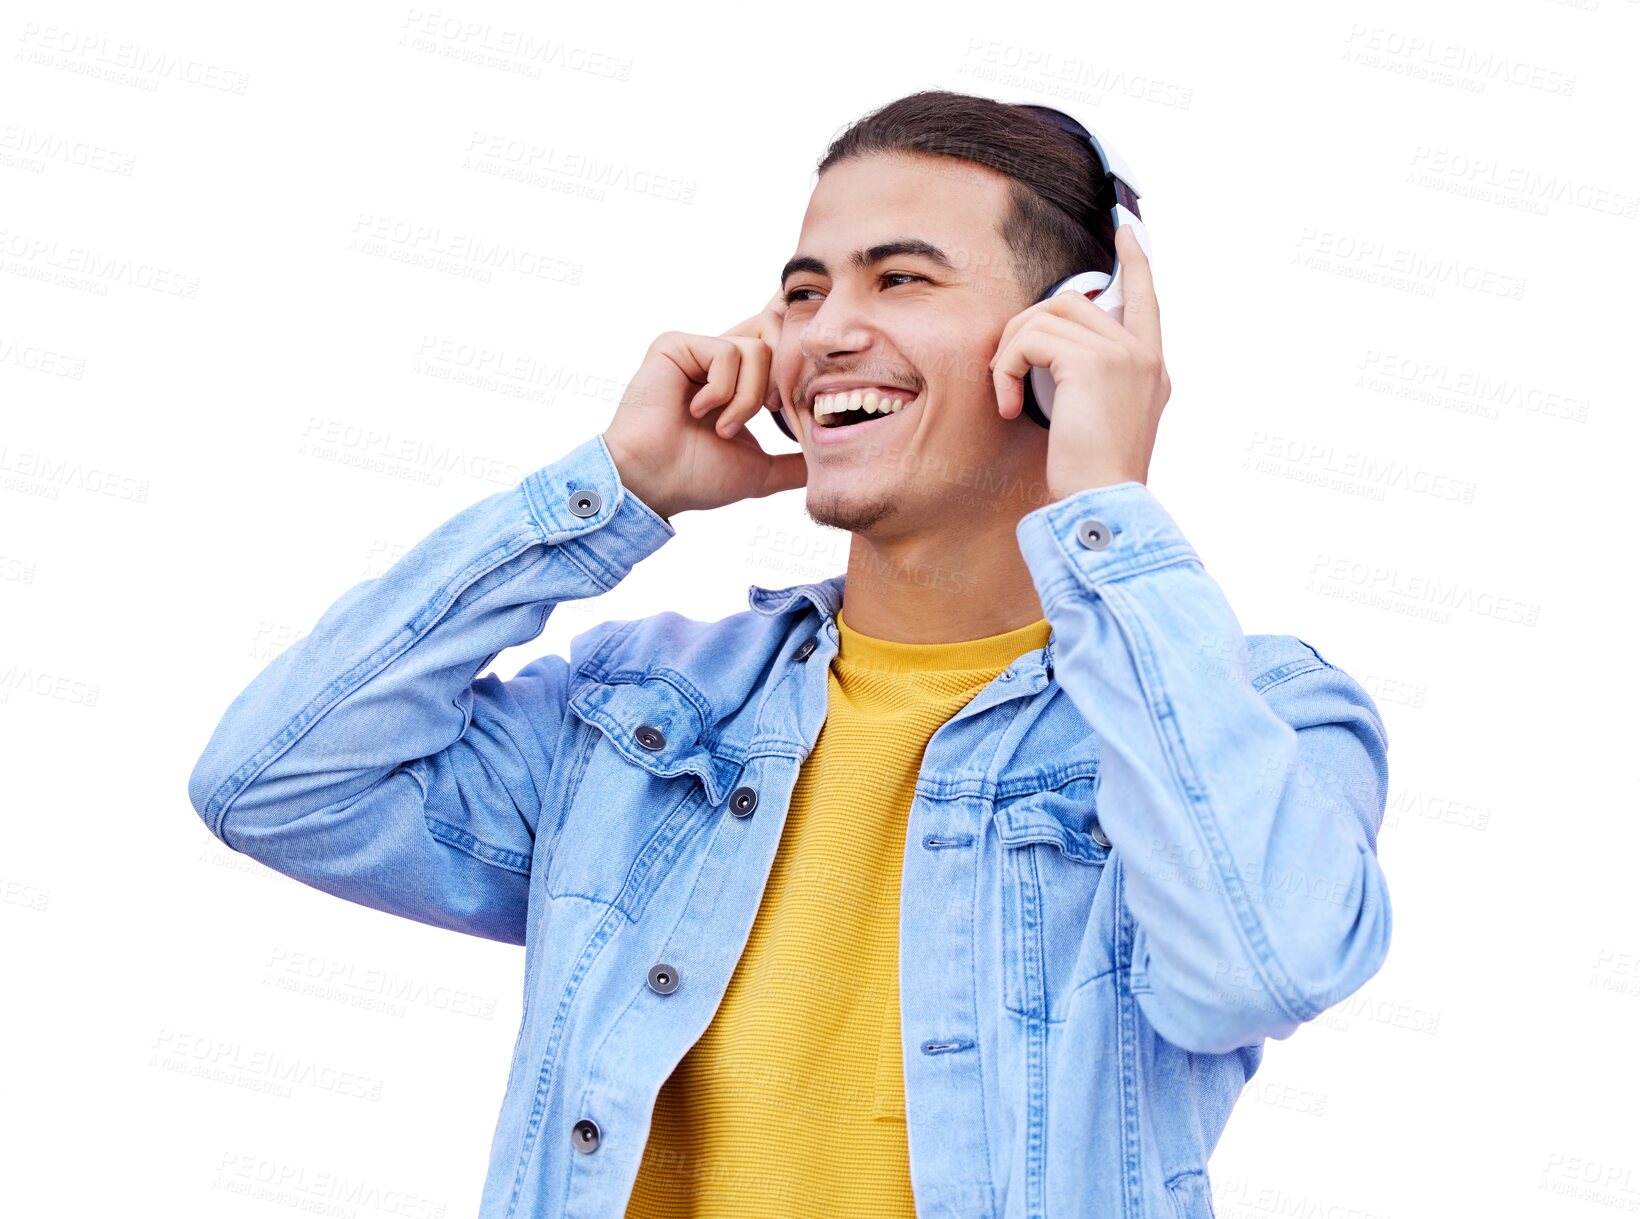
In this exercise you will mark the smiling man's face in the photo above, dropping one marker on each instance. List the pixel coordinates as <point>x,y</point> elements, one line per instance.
<point>902,280</point>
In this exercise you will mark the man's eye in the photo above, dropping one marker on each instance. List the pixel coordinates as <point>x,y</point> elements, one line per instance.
<point>795,293</point>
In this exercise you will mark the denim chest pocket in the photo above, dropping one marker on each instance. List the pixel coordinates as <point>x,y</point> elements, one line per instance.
<point>1052,860</point>
<point>639,794</point>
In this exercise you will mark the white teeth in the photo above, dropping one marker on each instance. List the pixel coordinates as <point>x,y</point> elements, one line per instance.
<point>858,399</point>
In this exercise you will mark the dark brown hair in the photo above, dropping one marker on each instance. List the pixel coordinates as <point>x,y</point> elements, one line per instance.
<point>1058,221</point>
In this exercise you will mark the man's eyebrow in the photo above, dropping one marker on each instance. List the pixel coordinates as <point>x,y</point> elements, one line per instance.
<point>861,259</point>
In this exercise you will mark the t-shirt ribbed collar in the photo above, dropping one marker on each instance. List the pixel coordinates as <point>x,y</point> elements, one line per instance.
<point>993,652</point>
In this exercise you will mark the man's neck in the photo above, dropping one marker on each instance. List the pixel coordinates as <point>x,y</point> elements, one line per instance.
<point>922,592</point>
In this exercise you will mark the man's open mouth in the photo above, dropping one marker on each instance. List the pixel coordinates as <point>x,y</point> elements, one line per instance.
<point>850,407</point>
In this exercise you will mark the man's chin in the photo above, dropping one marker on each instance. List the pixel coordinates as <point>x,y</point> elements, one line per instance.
<point>855,511</point>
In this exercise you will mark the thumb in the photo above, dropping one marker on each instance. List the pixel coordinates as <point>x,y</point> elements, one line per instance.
<point>787,472</point>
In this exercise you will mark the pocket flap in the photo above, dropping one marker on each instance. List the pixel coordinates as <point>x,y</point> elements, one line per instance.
<point>619,710</point>
<point>1067,817</point>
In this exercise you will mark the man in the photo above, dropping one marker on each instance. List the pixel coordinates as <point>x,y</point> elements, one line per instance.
<point>980,900</point>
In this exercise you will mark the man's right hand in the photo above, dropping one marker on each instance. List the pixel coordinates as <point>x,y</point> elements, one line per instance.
<point>666,451</point>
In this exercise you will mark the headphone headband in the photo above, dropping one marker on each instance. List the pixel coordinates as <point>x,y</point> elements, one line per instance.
<point>1111,165</point>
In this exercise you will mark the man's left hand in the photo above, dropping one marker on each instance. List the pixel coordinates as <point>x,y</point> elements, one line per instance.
<point>1110,383</point>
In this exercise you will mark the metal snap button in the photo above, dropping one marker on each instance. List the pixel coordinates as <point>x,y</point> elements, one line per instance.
<point>742,801</point>
<point>1093,533</point>
<point>1007,675</point>
<point>804,648</point>
<point>650,737</point>
<point>663,979</point>
<point>585,1135</point>
<point>1098,833</point>
<point>585,502</point>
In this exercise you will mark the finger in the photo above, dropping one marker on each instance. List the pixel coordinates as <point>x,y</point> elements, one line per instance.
<point>1075,307</point>
<point>751,326</point>
<point>1140,314</point>
<point>717,364</point>
<point>751,385</point>
<point>764,324</point>
<point>1066,304</point>
<point>765,327</point>
<point>1018,320</point>
<point>773,319</point>
<point>784,471</point>
<point>1046,339</point>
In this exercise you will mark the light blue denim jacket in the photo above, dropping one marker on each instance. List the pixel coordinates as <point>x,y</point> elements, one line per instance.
<point>1134,855</point>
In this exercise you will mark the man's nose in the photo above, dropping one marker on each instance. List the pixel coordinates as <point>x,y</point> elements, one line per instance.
<point>837,327</point>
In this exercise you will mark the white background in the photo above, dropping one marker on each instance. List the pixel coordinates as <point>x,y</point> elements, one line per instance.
<point>1395,250</point>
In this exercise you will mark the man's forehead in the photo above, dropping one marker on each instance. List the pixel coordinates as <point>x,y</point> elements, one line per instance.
<point>939,208</point>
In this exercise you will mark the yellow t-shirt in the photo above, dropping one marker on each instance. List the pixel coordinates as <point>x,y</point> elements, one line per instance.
<point>793,1100</point>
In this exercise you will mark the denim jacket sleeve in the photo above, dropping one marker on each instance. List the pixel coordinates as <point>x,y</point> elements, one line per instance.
<point>371,761</point>
<point>1241,787</point>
